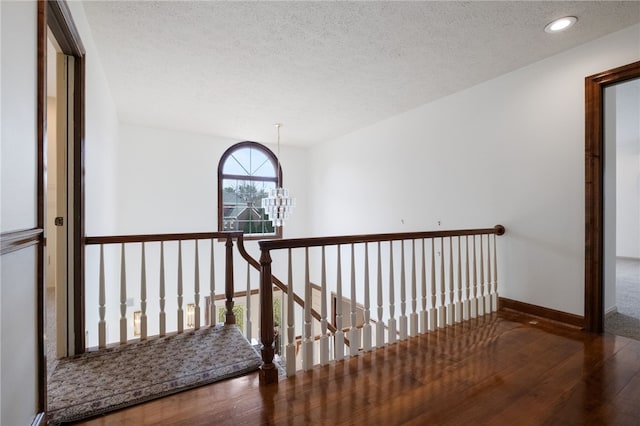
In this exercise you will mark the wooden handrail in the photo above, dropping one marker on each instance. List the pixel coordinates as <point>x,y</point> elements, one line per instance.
<point>371,238</point>
<point>120,239</point>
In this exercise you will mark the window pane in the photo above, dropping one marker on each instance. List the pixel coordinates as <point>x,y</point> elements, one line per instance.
<point>249,162</point>
<point>242,191</point>
<point>242,206</point>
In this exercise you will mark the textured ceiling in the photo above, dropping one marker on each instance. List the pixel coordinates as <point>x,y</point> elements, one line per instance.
<point>321,68</point>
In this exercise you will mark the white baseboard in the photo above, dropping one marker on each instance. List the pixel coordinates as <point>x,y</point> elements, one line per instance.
<point>611,311</point>
<point>627,258</point>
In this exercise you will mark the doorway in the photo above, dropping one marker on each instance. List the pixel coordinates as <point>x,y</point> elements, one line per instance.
<point>55,23</point>
<point>58,174</point>
<point>51,259</point>
<point>58,29</point>
<point>622,209</point>
<point>595,86</point>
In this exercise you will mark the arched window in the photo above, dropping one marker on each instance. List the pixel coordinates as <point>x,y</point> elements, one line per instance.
<point>246,173</point>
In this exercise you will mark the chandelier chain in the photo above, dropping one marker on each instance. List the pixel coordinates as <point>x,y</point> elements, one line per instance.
<point>278,205</point>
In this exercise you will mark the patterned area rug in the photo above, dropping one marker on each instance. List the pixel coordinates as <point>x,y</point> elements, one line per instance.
<point>97,382</point>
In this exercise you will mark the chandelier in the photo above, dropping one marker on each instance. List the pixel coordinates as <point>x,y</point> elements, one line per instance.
<point>278,205</point>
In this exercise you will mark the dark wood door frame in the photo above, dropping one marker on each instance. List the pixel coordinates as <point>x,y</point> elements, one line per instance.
<point>55,15</point>
<point>594,190</point>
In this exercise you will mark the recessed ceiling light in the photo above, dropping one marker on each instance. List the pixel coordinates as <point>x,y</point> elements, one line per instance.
<point>560,24</point>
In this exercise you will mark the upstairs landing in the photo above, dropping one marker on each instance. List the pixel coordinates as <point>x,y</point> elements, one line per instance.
<point>505,368</point>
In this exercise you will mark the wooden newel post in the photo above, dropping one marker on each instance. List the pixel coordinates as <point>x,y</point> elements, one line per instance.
<point>230,317</point>
<point>268,371</point>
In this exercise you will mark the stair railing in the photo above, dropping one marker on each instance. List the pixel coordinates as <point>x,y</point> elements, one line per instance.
<point>278,283</point>
<point>122,246</point>
<point>129,268</point>
<point>458,282</point>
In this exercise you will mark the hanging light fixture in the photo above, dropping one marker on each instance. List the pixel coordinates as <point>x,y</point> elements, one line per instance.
<point>278,205</point>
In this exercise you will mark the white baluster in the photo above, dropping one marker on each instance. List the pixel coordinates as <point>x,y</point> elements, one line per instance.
<point>366,328</point>
<point>489,290</point>
<point>324,339</point>
<point>413,318</point>
<point>474,300</point>
<point>424,321</point>
<point>212,288</point>
<point>442,309</point>
<point>392,309</point>
<point>102,324</point>
<point>432,310</point>
<point>143,296</point>
<point>354,338</point>
<point>494,296</point>
<point>123,297</point>
<point>249,325</point>
<point>196,290</point>
<point>163,315</point>
<point>380,324</point>
<point>466,305</point>
<point>458,308</point>
<point>339,336</point>
<point>307,346</point>
<point>291,337</point>
<point>481,296</point>
<point>450,305</point>
<point>180,310</point>
<point>283,317</point>
<point>301,342</point>
<point>403,295</point>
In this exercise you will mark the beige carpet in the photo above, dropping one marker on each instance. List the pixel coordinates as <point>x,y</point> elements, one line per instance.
<point>626,321</point>
<point>99,382</point>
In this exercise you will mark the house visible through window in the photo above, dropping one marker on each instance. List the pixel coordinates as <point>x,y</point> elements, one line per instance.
<point>246,173</point>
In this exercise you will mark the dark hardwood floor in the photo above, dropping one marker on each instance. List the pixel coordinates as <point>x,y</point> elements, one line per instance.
<point>506,368</point>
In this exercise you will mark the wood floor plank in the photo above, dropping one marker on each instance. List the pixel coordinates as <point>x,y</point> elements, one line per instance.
<point>610,363</point>
<point>505,368</point>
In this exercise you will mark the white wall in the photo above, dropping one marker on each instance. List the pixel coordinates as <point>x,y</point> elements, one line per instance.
<point>167,183</point>
<point>628,169</point>
<point>18,116</point>
<point>166,180</point>
<point>19,370</point>
<point>509,151</point>
<point>101,136</point>
<point>18,350</point>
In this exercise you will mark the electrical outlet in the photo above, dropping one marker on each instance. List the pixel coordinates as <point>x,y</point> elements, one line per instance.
<point>130,301</point>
